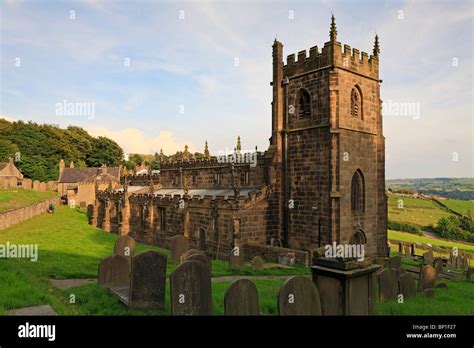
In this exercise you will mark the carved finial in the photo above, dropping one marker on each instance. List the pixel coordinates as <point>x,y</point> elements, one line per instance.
<point>239,145</point>
<point>185,153</point>
<point>376,46</point>
<point>206,151</point>
<point>333,31</point>
<point>162,156</point>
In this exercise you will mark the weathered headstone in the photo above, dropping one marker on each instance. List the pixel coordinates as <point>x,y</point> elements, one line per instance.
<point>299,296</point>
<point>412,250</point>
<point>125,246</point>
<point>406,249</point>
<point>241,298</point>
<point>257,263</point>
<point>191,291</point>
<point>114,271</point>
<point>388,284</point>
<point>400,248</point>
<point>407,285</point>
<point>202,258</point>
<point>395,262</point>
<point>470,274</point>
<point>36,185</point>
<point>179,244</point>
<point>148,280</point>
<point>236,259</point>
<point>438,264</point>
<point>429,293</point>
<point>188,253</point>
<point>51,186</point>
<point>428,258</point>
<point>465,262</point>
<point>42,186</point>
<point>427,278</point>
<point>26,184</point>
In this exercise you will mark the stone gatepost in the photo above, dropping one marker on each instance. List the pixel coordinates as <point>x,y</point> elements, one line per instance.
<point>345,287</point>
<point>106,222</point>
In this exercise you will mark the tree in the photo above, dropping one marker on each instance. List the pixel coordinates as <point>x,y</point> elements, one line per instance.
<point>105,151</point>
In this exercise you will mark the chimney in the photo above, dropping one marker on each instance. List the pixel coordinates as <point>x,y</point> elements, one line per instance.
<point>10,160</point>
<point>61,167</point>
<point>71,164</point>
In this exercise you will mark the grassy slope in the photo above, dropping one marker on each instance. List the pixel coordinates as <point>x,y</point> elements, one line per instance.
<point>16,198</point>
<point>433,241</point>
<point>462,207</point>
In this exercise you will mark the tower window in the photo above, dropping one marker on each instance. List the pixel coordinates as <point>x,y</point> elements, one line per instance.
<point>303,104</point>
<point>357,193</point>
<point>356,103</point>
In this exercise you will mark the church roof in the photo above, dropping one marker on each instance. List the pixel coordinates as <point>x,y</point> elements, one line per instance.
<point>70,175</point>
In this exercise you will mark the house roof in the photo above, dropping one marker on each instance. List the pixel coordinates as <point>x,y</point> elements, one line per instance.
<point>70,175</point>
<point>3,165</point>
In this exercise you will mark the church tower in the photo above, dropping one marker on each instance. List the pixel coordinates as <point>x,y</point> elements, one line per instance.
<point>327,148</point>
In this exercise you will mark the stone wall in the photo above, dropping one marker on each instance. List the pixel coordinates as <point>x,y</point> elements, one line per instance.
<point>15,216</point>
<point>270,253</point>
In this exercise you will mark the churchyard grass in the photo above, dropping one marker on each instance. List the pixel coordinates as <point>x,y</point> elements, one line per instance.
<point>17,198</point>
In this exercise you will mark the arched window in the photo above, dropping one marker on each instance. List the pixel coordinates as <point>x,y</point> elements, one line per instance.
<point>356,102</point>
<point>357,192</point>
<point>303,104</point>
<point>202,245</point>
<point>358,238</point>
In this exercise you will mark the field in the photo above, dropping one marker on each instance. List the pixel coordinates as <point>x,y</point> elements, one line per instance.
<point>70,248</point>
<point>462,207</point>
<point>16,198</point>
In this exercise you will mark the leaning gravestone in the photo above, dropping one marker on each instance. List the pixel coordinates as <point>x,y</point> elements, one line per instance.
<point>299,296</point>
<point>191,292</point>
<point>148,280</point>
<point>257,263</point>
<point>241,298</point>
<point>26,184</point>
<point>114,271</point>
<point>188,253</point>
<point>202,258</point>
<point>125,246</point>
<point>407,285</point>
<point>179,244</point>
<point>428,258</point>
<point>388,284</point>
<point>427,278</point>
<point>236,259</point>
<point>438,264</point>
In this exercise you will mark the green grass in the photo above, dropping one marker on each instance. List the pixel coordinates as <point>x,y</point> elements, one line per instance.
<point>457,299</point>
<point>415,211</point>
<point>462,207</point>
<point>17,198</point>
<point>408,237</point>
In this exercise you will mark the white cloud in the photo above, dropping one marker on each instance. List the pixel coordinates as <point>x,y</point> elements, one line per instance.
<point>133,140</point>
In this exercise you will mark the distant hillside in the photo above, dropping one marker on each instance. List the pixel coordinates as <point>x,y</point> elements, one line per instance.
<point>453,188</point>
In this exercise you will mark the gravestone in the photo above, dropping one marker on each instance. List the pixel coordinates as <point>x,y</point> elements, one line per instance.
<point>406,249</point>
<point>191,291</point>
<point>395,262</point>
<point>428,258</point>
<point>188,253</point>
<point>125,246</point>
<point>51,186</point>
<point>438,264</point>
<point>202,258</point>
<point>90,213</point>
<point>236,259</point>
<point>42,186</point>
<point>407,285</point>
<point>299,296</point>
<point>114,271</point>
<point>179,244</point>
<point>241,298</point>
<point>148,280</point>
<point>257,263</point>
<point>427,278</point>
<point>412,250</point>
<point>36,185</point>
<point>451,261</point>
<point>470,274</point>
<point>465,262</point>
<point>429,293</point>
<point>26,184</point>
<point>400,248</point>
<point>388,284</point>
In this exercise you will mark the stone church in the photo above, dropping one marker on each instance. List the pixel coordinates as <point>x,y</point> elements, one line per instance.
<point>321,180</point>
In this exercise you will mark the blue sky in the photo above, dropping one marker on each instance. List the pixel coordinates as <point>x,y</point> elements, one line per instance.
<point>183,85</point>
